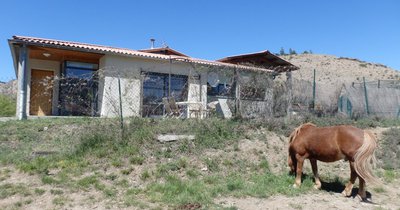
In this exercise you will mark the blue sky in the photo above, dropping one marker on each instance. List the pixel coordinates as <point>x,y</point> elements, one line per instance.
<point>367,30</point>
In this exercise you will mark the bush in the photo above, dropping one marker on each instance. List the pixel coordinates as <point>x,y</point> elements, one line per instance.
<point>7,106</point>
<point>390,149</point>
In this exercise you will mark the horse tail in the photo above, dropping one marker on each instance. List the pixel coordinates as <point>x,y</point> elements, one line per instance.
<point>365,160</point>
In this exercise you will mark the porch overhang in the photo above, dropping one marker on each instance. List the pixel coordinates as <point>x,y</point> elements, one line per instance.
<point>261,59</point>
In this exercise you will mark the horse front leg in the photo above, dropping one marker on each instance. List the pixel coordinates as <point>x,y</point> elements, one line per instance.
<point>315,172</point>
<point>299,171</point>
<point>353,176</point>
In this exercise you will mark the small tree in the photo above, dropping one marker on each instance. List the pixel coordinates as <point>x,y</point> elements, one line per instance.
<point>305,52</point>
<point>292,52</point>
<point>282,51</point>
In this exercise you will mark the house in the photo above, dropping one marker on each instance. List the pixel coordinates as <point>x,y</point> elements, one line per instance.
<point>64,78</point>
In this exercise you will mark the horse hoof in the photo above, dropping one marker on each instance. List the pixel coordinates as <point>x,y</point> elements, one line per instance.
<point>317,187</point>
<point>295,186</point>
<point>346,193</point>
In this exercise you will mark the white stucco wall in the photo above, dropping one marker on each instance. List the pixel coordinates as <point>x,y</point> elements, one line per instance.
<point>129,70</point>
<point>46,65</point>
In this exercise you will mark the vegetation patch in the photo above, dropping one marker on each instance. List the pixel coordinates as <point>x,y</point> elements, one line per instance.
<point>7,106</point>
<point>390,152</point>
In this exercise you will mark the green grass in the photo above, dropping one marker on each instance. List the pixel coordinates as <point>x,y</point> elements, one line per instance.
<point>7,106</point>
<point>7,190</point>
<point>166,172</point>
<point>177,191</point>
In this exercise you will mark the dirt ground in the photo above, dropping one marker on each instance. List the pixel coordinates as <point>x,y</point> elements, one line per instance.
<point>273,146</point>
<point>329,197</point>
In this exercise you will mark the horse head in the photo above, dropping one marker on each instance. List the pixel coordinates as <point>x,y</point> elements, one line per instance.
<point>291,158</point>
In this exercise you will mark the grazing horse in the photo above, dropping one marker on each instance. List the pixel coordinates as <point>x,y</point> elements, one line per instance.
<point>329,144</point>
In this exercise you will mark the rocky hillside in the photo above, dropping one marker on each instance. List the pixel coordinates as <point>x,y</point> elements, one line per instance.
<point>9,88</point>
<point>331,74</point>
<point>334,70</point>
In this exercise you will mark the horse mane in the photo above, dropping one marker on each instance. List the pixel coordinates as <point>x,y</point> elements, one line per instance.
<point>296,131</point>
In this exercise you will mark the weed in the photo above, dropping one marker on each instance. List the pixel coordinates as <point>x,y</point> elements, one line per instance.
<point>212,164</point>
<point>50,180</point>
<point>117,163</point>
<point>126,171</point>
<point>295,206</point>
<point>86,182</point>
<point>379,189</point>
<point>137,160</point>
<point>7,190</point>
<point>123,183</point>
<point>193,173</point>
<point>56,192</point>
<point>178,191</point>
<point>264,165</point>
<point>389,175</point>
<point>145,175</point>
<point>111,177</point>
<point>235,182</point>
<point>60,200</point>
<point>39,191</point>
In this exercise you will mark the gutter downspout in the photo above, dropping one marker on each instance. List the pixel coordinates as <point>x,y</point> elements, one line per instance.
<point>22,83</point>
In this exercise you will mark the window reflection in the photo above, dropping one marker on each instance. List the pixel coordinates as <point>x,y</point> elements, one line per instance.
<point>78,89</point>
<point>157,86</point>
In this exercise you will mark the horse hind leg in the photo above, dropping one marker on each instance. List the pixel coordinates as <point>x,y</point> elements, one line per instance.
<point>353,176</point>
<point>361,190</point>
<point>315,172</point>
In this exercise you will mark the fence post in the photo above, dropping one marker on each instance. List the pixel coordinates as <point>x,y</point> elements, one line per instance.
<point>366,96</point>
<point>313,93</point>
<point>120,106</point>
<point>289,98</point>
<point>237,94</point>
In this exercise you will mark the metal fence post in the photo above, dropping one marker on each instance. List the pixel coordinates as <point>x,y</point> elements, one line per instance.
<point>313,93</point>
<point>366,96</point>
<point>120,105</point>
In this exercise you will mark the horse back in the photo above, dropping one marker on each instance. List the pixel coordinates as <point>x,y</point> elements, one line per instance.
<point>328,144</point>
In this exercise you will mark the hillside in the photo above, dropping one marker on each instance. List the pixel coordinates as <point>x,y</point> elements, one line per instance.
<point>331,74</point>
<point>9,88</point>
<point>334,70</point>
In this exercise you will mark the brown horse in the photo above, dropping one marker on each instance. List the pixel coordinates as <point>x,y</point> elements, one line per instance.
<point>329,144</point>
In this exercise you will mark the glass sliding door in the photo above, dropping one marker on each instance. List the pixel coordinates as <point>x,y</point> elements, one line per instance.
<point>78,89</point>
<point>157,86</point>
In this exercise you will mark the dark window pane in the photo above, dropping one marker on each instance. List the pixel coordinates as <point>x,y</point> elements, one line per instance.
<point>78,91</point>
<point>157,86</point>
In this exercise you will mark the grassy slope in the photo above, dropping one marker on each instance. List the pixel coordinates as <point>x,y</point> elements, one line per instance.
<point>85,155</point>
<point>7,106</point>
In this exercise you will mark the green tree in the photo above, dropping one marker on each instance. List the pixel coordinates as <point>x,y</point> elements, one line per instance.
<point>282,51</point>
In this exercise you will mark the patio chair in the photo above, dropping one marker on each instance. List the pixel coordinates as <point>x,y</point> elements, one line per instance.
<point>174,107</point>
<point>171,108</point>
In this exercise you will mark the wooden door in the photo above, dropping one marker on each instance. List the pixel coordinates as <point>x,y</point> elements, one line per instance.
<point>41,92</point>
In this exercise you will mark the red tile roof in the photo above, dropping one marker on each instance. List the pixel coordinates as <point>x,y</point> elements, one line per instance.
<point>123,51</point>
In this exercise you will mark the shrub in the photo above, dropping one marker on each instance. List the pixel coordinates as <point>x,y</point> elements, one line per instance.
<point>7,106</point>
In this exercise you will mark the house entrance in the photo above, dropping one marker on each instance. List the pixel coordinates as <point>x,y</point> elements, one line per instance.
<point>41,92</point>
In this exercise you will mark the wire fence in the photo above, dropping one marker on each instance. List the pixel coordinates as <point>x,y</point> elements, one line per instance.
<point>111,92</point>
<point>200,92</point>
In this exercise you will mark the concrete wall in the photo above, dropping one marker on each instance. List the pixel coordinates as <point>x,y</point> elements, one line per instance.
<point>129,70</point>
<point>53,66</point>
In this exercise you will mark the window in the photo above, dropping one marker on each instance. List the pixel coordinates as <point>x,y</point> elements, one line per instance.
<point>157,86</point>
<point>78,89</point>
